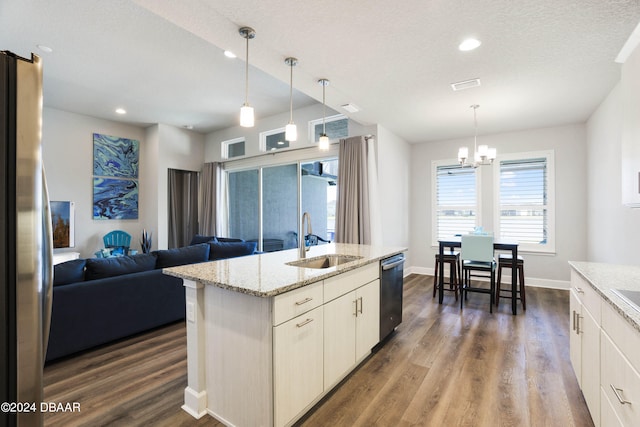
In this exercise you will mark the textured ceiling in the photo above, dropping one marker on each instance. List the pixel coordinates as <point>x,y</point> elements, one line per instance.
<point>541,63</point>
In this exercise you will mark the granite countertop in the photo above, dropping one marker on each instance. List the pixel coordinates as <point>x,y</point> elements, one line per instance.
<point>267,274</point>
<point>605,278</point>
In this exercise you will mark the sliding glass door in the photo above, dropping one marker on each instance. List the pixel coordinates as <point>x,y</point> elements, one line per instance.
<point>265,204</point>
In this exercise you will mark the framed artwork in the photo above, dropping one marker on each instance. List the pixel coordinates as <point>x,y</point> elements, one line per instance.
<point>63,224</point>
<point>115,177</point>
<point>115,198</point>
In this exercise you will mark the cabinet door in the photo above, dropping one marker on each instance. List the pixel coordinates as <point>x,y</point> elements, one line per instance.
<point>575,341</point>
<point>339,338</point>
<point>590,365</point>
<point>367,318</point>
<point>297,364</point>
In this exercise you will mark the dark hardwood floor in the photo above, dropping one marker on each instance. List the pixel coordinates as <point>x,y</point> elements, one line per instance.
<point>442,367</point>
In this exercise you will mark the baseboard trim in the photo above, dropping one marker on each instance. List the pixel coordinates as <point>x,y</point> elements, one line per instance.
<point>530,281</point>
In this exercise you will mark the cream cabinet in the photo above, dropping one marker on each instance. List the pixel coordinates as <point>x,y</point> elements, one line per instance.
<point>351,321</point>
<point>297,364</point>
<point>620,380</point>
<point>584,340</point>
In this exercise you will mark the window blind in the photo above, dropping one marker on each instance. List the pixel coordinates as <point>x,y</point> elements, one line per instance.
<point>523,200</point>
<point>456,200</point>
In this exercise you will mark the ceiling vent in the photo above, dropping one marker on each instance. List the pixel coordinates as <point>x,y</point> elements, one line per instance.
<point>352,108</point>
<point>467,84</point>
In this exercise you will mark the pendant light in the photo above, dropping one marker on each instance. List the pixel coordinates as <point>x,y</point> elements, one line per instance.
<point>246,112</point>
<point>323,142</point>
<point>482,155</point>
<point>290,131</point>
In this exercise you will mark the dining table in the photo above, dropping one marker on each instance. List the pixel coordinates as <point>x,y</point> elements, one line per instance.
<point>503,245</point>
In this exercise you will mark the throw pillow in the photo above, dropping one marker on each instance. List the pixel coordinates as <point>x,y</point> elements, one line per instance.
<point>181,256</point>
<point>100,268</point>
<point>69,272</point>
<point>222,250</point>
<point>199,238</point>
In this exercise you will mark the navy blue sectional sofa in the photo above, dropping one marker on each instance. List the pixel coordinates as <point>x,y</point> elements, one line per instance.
<point>99,300</point>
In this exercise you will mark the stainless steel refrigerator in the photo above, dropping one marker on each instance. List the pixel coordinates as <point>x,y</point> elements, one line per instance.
<point>25,242</point>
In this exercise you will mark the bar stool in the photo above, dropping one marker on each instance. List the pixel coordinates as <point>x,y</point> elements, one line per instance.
<point>453,259</point>
<point>504,261</point>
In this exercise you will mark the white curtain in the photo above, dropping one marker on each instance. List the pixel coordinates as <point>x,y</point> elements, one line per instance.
<point>357,210</point>
<point>211,212</point>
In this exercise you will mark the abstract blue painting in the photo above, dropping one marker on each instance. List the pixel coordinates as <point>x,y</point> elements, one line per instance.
<point>115,156</point>
<point>115,198</point>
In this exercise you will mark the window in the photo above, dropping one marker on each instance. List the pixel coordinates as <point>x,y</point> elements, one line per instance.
<point>273,140</point>
<point>233,148</point>
<point>455,200</point>
<point>336,127</point>
<point>525,194</point>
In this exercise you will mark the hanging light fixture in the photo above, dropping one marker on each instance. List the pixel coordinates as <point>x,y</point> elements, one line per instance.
<point>290,131</point>
<point>482,155</point>
<point>323,142</point>
<point>246,112</point>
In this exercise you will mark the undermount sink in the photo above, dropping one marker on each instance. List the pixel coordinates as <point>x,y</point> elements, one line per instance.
<point>324,261</point>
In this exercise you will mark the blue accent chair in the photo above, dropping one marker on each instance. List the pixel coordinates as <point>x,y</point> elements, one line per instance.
<point>117,242</point>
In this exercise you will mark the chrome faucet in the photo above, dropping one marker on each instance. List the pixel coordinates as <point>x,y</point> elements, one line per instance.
<point>301,241</point>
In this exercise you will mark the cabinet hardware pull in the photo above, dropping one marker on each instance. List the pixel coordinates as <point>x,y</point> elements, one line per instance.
<point>360,304</point>
<point>574,320</point>
<point>301,324</point>
<point>304,301</point>
<point>578,317</point>
<point>579,290</point>
<point>617,392</point>
<point>355,306</point>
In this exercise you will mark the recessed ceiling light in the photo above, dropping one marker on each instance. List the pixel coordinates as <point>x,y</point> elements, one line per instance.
<point>44,48</point>
<point>121,111</point>
<point>229,54</point>
<point>469,44</point>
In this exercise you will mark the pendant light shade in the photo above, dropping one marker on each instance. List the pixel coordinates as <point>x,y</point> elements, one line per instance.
<point>290,131</point>
<point>323,141</point>
<point>246,112</point>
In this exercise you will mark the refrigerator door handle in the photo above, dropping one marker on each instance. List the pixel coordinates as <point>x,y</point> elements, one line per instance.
<point>47,266</point>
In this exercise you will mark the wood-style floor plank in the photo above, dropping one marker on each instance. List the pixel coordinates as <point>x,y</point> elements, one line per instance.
<point>443,366</point>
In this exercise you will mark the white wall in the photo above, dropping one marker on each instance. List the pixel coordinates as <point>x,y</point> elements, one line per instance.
<point>67,151</point>
<point>569,145</point>
<point>613,229</point>
<point>67,147</point>
<point>394,158</point>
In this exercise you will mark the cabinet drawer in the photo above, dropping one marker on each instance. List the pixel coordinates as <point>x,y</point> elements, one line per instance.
<point>587,295</point>
<point>617,373</point>
<point>625,336</point>
<point>291,304</point>
<point>347,282</point>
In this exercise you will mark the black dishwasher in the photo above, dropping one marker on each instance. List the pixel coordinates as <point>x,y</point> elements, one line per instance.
<point>391,282</point>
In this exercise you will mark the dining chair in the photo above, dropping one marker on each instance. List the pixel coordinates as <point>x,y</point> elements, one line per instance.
<point>452,258</point>
<point>505,261</point>
<point>476,252</point>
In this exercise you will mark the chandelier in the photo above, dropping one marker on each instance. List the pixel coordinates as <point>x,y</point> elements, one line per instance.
<point>482,155</point>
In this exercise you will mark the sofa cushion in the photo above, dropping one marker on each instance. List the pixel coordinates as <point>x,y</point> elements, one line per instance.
<point>69,272</point>
<point>181,256</point>
<point>199,238</point>
<point>100,268</point>
<point>222,250</point>
<point>228,239</point>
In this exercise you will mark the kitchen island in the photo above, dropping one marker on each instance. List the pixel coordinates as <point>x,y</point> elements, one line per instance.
<point>266,340</point>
